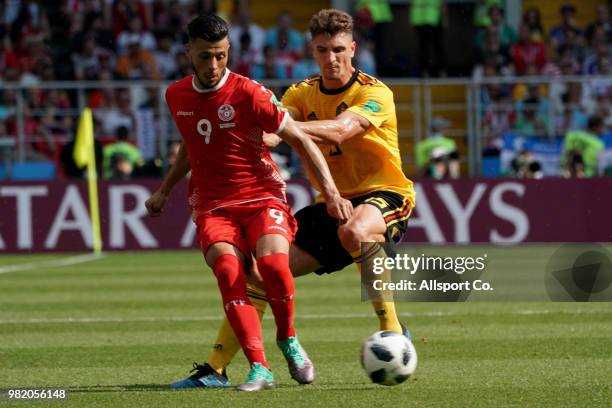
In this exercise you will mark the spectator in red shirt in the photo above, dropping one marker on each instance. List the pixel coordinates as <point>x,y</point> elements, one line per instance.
<point>8,58</point>
<point>527,53</point>
<point>246,57</point>
<point>124,11</point>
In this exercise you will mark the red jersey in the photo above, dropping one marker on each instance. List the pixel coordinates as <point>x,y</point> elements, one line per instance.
<point>222,130</point>
<point>525,55</point>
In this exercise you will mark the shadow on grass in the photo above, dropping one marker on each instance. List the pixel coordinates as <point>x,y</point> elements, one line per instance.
<point>121,388</point>
<point>84,389</point>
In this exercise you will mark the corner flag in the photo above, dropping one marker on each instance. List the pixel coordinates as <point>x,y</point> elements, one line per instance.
<point>84,155</point>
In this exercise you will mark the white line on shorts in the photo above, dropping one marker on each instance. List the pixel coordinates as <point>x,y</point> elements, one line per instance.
<point>53,263</point>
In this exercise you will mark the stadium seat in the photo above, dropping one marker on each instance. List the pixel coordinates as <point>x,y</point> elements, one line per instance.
<point>33,171</point>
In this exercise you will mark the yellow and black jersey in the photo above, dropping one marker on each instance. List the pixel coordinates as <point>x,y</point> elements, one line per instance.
<point>363,164</point>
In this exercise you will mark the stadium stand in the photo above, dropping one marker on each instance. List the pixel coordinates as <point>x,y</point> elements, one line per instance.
<point>111,43</point>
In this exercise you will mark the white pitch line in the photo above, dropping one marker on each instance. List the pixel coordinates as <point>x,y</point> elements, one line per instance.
<point>54,263</point>
<point>86,320</point>
<point>193,318</point>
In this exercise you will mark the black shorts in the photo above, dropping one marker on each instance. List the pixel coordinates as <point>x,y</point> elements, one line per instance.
<point>318,232</point>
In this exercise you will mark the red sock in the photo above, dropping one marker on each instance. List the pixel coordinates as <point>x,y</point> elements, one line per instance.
<point>278,281</point>
<point>240,312</point>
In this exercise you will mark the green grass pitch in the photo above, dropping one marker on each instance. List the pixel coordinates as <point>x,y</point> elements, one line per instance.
<point>115,331</point>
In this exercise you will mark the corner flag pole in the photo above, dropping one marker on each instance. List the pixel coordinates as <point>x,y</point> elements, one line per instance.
<point>84,155</point>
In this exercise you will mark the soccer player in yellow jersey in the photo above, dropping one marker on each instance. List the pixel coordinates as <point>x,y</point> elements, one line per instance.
<point>351,116</point>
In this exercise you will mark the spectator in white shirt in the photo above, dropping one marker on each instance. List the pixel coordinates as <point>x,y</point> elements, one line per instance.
<point>135,33</point>
<point>242,23</point>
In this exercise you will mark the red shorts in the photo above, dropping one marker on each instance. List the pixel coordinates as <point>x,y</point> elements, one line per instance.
<point>243,224</point>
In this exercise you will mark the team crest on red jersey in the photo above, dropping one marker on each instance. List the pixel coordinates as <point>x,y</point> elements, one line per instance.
<point>226,112</point>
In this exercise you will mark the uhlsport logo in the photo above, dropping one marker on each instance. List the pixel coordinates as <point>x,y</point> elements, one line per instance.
<point>226,112</point>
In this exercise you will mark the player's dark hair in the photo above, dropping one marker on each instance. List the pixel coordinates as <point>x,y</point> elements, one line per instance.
<point>209,27</point>
<point>330,22</point>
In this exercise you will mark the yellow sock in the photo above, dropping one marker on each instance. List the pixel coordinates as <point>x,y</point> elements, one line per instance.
<point>387,317</point>
<point>225,348</point>
<point>383,304</point>
<point>258,298</point>
<point>227,345</point>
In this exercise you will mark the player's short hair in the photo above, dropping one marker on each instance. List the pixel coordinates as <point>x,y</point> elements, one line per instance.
<point>209,27</point>
<point>331,22</point>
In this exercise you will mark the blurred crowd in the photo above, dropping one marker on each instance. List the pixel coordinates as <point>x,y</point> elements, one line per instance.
<point>101,40</point>
<point>138,40</point>
<point>557,106</point>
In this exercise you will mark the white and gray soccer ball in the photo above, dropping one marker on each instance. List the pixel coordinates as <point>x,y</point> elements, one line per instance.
<point>388,358</point>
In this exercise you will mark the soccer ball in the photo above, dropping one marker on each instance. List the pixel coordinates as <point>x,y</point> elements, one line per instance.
<point>388,358</point>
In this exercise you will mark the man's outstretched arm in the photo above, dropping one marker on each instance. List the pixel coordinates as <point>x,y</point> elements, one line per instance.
<point>336,131</point>
<point>310,154</point>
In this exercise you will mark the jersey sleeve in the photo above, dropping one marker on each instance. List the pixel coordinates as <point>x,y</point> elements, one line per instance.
<point>291,102</point>
<point>269,113</point>
<point>375,103</point>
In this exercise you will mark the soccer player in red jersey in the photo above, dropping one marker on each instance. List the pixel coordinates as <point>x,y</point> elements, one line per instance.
<point>236,193</point>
